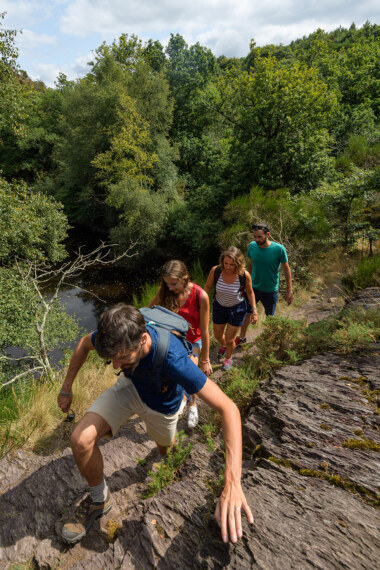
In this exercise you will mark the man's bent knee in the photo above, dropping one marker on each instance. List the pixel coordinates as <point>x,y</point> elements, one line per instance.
<point>89,430</point>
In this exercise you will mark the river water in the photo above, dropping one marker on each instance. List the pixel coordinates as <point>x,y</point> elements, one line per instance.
<point>97,290</point>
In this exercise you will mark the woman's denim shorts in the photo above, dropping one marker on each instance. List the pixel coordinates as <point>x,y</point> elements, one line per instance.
<point>234,316</point>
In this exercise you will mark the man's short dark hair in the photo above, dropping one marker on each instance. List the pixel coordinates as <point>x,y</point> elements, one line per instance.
<point>119,329</point>
<point>260,226</point>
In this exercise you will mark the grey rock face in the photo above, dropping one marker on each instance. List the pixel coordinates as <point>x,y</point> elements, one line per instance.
<point>367,299</point>
<point>312,494</point>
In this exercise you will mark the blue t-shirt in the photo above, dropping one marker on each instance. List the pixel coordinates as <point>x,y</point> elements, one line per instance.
<point>266,265</point>
<point>180,374</point>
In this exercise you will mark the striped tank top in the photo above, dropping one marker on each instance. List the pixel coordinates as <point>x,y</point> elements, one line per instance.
<point>228,295</point>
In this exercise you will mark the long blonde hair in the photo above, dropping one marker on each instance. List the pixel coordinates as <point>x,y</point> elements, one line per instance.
<point>173,269</point>
<point>237,257</point>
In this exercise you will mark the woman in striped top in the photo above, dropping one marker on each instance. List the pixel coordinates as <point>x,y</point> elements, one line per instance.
<point>233,285</point>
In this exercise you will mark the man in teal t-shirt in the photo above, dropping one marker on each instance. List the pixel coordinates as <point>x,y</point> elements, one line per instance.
<point>265,259</point>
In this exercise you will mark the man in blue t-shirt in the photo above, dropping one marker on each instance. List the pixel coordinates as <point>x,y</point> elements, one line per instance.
<point>265,259</point>
<point>124,338</point>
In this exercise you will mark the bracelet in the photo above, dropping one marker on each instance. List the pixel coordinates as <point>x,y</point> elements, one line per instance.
<point>65,393</point>
<point>254,308</point>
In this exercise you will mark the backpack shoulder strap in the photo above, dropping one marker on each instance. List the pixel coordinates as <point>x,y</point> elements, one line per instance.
<point>163,341</point>
<point>217,274</point>
<point>242,281</point>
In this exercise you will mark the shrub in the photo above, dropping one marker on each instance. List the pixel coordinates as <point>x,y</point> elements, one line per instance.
<point>168,468</point>
<point>367,274</point>
<point>282,339</point>
<point>239,385</point>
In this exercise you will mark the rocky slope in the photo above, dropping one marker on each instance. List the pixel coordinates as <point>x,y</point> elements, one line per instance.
<point>312,492</point>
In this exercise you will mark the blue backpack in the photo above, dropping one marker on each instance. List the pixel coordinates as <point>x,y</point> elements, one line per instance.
<point>165,322</point>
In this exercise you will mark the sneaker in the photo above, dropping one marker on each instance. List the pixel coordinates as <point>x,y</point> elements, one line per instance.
<point>84,517</point>
<point>192,416</point>
<point>227,364</point>
<point>221,351</point>
<point>239,340</point>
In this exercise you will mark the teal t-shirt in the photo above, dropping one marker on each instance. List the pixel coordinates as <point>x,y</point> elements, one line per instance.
<point>266,265</point>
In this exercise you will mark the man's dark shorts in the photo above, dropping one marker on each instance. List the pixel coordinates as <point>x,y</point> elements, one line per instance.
<point>234,316</point>
<point>268,300</point>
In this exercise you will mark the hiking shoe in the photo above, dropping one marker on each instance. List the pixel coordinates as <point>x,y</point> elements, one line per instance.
<point>239,340</point>
<point>192,416</point>
<point>84,517</point>
<point>227,364</point>
<point>221,351</point>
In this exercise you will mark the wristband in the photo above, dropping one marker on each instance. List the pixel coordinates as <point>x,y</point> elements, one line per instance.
<point>66,393</point>
<point>254,309</point>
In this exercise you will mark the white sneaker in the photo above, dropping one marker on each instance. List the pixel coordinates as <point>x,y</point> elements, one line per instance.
<point>192,416</point>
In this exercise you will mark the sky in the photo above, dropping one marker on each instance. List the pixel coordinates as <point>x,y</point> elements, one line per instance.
<point>60,35</point>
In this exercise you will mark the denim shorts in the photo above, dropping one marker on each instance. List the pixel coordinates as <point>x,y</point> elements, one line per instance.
<point>268,300</point>
<point>198,344</point>
<point>234,316</point>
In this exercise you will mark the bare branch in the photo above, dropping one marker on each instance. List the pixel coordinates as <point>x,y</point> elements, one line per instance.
<point>39,277</point>
<point>20,375</point>
<point>13,359</point>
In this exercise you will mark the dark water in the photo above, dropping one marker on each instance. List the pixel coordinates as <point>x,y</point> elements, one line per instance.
<point>97,290</point>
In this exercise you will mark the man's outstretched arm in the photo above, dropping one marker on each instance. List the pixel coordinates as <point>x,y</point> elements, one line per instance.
<point>232,499</point>
<point>78,358</point>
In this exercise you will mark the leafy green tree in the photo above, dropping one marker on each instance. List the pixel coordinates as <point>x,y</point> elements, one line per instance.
<point>29,153</point>
<point>32,228</point>
<point>114,124</point>
<point>32,225</point>
<point>141,214</point>
<point>128,154</point>
<point>23,324</point>
<point>154,54</point>
<point>189,69</point>
<point>11,108</point>
<point>279,116</point>
<point>349,203</point>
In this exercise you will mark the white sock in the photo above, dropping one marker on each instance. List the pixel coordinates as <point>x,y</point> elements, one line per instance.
<point>99,492</point>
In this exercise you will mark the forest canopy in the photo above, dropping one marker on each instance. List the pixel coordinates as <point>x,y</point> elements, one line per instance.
<point>159,144</point>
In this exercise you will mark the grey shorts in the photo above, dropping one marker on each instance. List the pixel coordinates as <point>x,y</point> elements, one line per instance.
<point>118,403</point>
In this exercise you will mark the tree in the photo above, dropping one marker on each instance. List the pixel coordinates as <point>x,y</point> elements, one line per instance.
<point>29,153</point>
<point>128,154</point>
<point>279,116</point>
<point>188,70</point>
<point>32,225</point>
<point>36,321</point>
<point>349,203</point>
<point>11,108</point>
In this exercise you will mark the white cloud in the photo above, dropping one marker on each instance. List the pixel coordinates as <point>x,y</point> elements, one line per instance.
<point>141,16</point>
<point>29,39</point>
<point>46,72</point>
<point>225,26</point>
<point>80,66</point>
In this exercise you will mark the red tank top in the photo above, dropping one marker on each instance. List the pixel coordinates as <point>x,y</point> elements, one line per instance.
<point>190,312</point>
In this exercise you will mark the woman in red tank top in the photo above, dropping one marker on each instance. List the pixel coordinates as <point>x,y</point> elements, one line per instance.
<point>180,295</point>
